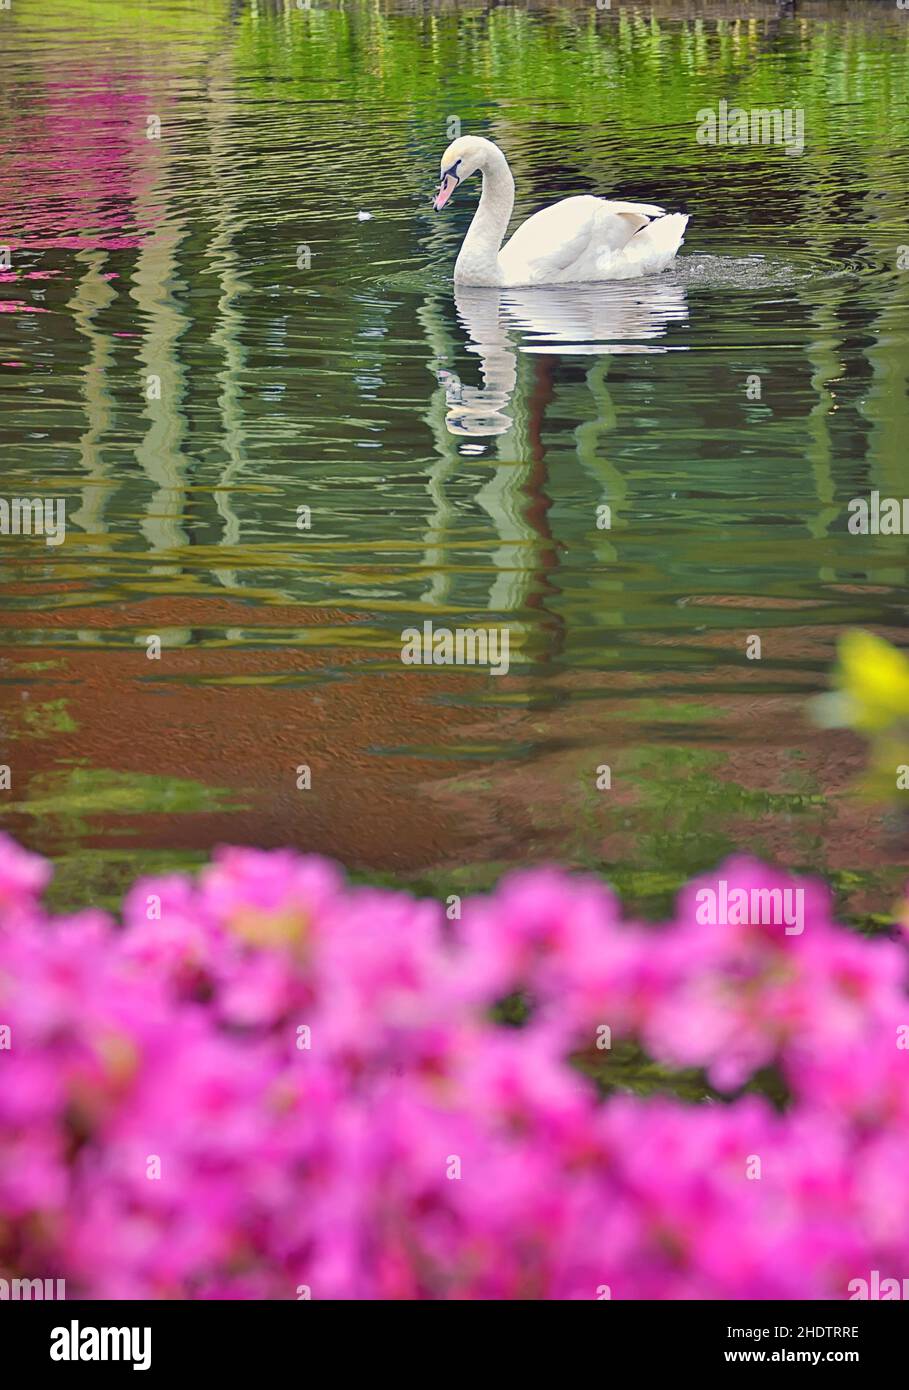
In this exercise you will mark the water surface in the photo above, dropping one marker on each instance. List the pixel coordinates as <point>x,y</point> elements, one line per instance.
<point>203,335</point>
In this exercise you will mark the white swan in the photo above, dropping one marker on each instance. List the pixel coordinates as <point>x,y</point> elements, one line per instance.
<point>577,240</point>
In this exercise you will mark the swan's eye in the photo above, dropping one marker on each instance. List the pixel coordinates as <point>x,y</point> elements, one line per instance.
<point>452,173</point>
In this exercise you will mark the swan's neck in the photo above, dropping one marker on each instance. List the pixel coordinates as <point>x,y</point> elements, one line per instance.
<point>478,262</point>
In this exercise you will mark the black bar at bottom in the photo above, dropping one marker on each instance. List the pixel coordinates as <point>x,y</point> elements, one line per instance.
<point>266,1339</point>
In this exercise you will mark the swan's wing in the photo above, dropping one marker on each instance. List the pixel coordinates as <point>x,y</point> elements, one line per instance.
<point>551,240</point>
<point>654,247</point>
<point>565,234</point>
<point>645,210</point>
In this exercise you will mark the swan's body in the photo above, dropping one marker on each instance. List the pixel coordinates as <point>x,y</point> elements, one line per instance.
<point>572,242</point>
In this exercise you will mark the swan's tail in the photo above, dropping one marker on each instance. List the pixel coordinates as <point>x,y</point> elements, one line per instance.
<point>654,246</point>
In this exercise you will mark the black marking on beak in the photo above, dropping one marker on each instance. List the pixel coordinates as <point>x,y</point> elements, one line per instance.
<point>450,173</point>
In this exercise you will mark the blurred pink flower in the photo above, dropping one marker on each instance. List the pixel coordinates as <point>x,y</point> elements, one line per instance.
<point>270,1084</point>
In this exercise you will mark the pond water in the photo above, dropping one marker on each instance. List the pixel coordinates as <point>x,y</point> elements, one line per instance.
<point>228,300</point>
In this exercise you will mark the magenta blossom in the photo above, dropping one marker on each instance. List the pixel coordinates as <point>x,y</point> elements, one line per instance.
<point>269,1084</point>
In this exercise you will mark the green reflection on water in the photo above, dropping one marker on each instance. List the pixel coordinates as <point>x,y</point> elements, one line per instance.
<point>453,449</point>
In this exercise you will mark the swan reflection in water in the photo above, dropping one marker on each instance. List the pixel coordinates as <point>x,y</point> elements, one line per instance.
<point>586,320</point>
<point>519,336</point>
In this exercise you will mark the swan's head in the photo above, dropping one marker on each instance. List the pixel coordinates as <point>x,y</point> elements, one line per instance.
<point>462,158</point>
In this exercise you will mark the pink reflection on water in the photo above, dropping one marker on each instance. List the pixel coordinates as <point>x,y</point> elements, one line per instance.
<point>82,166</point>
<point>11,275</point>
<point>76,243</point>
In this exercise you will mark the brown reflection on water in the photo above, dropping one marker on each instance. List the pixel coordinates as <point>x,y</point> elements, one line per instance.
<point>391,790</point>
<point>370,805</point>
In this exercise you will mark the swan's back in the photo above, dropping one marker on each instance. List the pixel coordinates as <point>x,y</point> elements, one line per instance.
<point>587,238</point>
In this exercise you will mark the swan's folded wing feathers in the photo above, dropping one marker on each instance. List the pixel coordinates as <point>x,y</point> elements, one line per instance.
<point>644,209</point>
<point>615,229</point>
<point>552,241</point>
